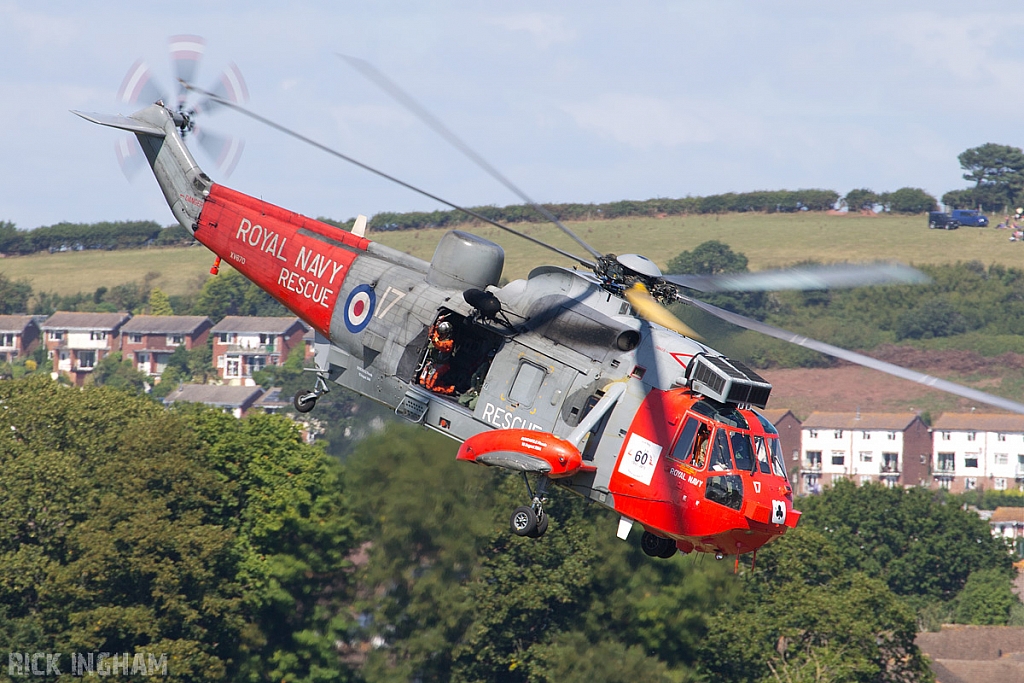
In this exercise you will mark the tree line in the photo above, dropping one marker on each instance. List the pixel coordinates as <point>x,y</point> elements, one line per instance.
<point>248,555</point>
<point>86,236</point>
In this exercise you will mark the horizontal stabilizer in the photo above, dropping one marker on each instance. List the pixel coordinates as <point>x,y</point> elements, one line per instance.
<point>122,122</point>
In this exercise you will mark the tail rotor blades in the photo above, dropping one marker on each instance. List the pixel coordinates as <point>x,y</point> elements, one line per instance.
<point>139,86</point>
<point>225,150</point>
<point>129,156</point>
<point>186,53</point>
<point>230,87</point>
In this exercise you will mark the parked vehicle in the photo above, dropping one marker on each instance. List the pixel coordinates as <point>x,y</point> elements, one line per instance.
<point>971,218</point>
<point>938,219</point>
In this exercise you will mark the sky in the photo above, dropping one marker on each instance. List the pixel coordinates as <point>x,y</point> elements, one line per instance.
<point>575,101</point>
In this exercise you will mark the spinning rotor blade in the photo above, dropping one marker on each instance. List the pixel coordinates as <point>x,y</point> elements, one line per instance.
<point>648,308</point>
<point>231,87</point>
<point>139,86</point>
<point>403,98</point>
<point>857,358</point>
<point>224,150</point>
<point>804,278</point>
<point>298,136</point>
<point>186,52</point>
<point>129,156</point>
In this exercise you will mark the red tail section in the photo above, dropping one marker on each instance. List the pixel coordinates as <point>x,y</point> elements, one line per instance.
<point>299,261</point>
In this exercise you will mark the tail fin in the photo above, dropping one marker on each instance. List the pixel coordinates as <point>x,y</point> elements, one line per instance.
<point>184,184</point>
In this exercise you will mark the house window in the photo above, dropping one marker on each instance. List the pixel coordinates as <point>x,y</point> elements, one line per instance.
<point>97,336</point>
<point>56,335</point>
<point>946,462</point>
<point>814,458</point>
<point>866,435</point>
<point>6,340</point>
<point>971,461</point>
<point>892,436</point>
<point>971,435</point>
<point>999,484</point>
<point>946,436</point>
<point>233,368</point>
<point>838,458</point>
<point>1001,437</point>
<point>267,340</point>
<point>970,483</point>
<point>135,338</point>
<point>866,456</point>
<point>86,359</point>
<point>141,358</point>
<point>838,433</point>
<point>812,433</point>
<point>1002,458</point>
<point>255,364</point>
<point>865,479</point>
<point>175,339</point>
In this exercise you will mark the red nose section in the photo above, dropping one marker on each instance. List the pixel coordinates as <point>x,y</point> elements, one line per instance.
<point>524,450</point>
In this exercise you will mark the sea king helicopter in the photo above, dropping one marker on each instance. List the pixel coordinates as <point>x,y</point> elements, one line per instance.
<point>578,376</point>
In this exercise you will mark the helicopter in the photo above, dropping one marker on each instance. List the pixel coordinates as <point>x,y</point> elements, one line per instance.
<point>578,377</point>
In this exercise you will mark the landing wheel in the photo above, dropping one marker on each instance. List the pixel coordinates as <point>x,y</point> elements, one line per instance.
<point>524,521</point>
<point>656,546</point>
<point>305,401</point>
<point>542,526</point>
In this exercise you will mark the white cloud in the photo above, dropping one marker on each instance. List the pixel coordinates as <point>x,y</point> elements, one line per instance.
<point>545,29</point>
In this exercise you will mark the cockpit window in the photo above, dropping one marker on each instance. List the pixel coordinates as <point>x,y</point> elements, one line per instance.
<point>769,428</point>
<point>684,446</point>
<point>720,459</point>
<point>701,447</point>
<point>761,451</point>
<point>742,451</point>
<point>778,463</point>
<point>725,414</point>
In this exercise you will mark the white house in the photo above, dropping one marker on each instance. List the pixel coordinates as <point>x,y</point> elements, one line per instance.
<point>978,450</point>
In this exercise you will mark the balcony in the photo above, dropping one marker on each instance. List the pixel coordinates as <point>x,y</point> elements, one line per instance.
<point>945,470</point>
<point>890,468</point>
<point>247,349</point>
<point>1020,471</point>
<point>813,467</point>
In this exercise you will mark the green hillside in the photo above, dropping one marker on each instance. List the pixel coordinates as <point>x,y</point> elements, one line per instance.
<point>768,240</point>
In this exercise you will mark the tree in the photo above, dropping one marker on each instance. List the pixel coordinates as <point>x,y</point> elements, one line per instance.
<point>14,295</point>
<point>231,294</point>
<point>159,304</point>
<point>987,599</point>
<point>714,258</point>
<point>908,200</point>
<point>861,200</point>
<point>118,373</point>
<point>997,167</point>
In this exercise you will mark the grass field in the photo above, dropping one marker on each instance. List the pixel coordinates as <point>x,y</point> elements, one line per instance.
<point>768,240</point>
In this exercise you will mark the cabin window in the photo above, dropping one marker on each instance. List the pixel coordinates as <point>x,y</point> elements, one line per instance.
<point>761,450</point>
<point>778,464</point>
<point>726,490</point>
<point>720,460</point>
<point>684,446</point>
<point>526,384</point>
<point>700,448</point>
<point>741,451</point>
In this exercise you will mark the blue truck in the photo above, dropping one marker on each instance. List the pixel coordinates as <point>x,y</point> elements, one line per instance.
<point>970,218</point>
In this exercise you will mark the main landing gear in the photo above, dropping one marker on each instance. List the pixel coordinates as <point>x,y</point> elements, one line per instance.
<point>657,546</point>
<point>531,520</point>
<point>305,401</point>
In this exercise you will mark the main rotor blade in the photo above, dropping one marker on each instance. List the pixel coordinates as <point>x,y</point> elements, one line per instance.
<point>406,100</point>
<point>834,276</point>
<point>859,359</point>
<point>298,136</point>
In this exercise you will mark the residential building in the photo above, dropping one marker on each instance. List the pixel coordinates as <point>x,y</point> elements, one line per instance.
<point>19,336</point>
<point>236,400</point>
<point>149,340</point>
<point>890,448</point>
<point>75,342</point>
<point>978,450</point>
<point>243,345</point>
<point>788,426</point>
<point>1008,522</point>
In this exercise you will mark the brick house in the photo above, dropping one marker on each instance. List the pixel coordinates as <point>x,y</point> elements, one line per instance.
<point>77,341</point>
<point>788,426</point>
<point>242,345</point>
<point>236,400</point>
<point>978,450</point>
<point>149,340</point>
<point>19,336</point>
<point>891,448</point>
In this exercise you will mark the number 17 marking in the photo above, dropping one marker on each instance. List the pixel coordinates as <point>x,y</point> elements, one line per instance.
<point>383,310</point>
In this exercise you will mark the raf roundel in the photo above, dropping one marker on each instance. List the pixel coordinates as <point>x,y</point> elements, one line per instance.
<point>359,308</point>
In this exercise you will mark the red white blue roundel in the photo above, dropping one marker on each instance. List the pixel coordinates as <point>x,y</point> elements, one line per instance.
<point>359,307</point>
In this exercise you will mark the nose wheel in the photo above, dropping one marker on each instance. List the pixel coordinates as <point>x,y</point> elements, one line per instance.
<point>305,401</point>
<point>530,520</point>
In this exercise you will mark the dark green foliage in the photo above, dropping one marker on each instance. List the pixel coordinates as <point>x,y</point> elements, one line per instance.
<point>805,617</point>
<point>14,295</point>
<point>911,539</point>
<point>861,200</point>
<point>713,258</point>
<point>131,528</point>
<point>79,236</point>
<point>988,499</point>
<point>930,319</point>
<point>232,294</point>
<point>118,373</point>
<point>987,599</point>
<point>908,200</point>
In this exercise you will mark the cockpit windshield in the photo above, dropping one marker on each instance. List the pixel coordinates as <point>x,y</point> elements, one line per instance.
<point>725,447</point>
